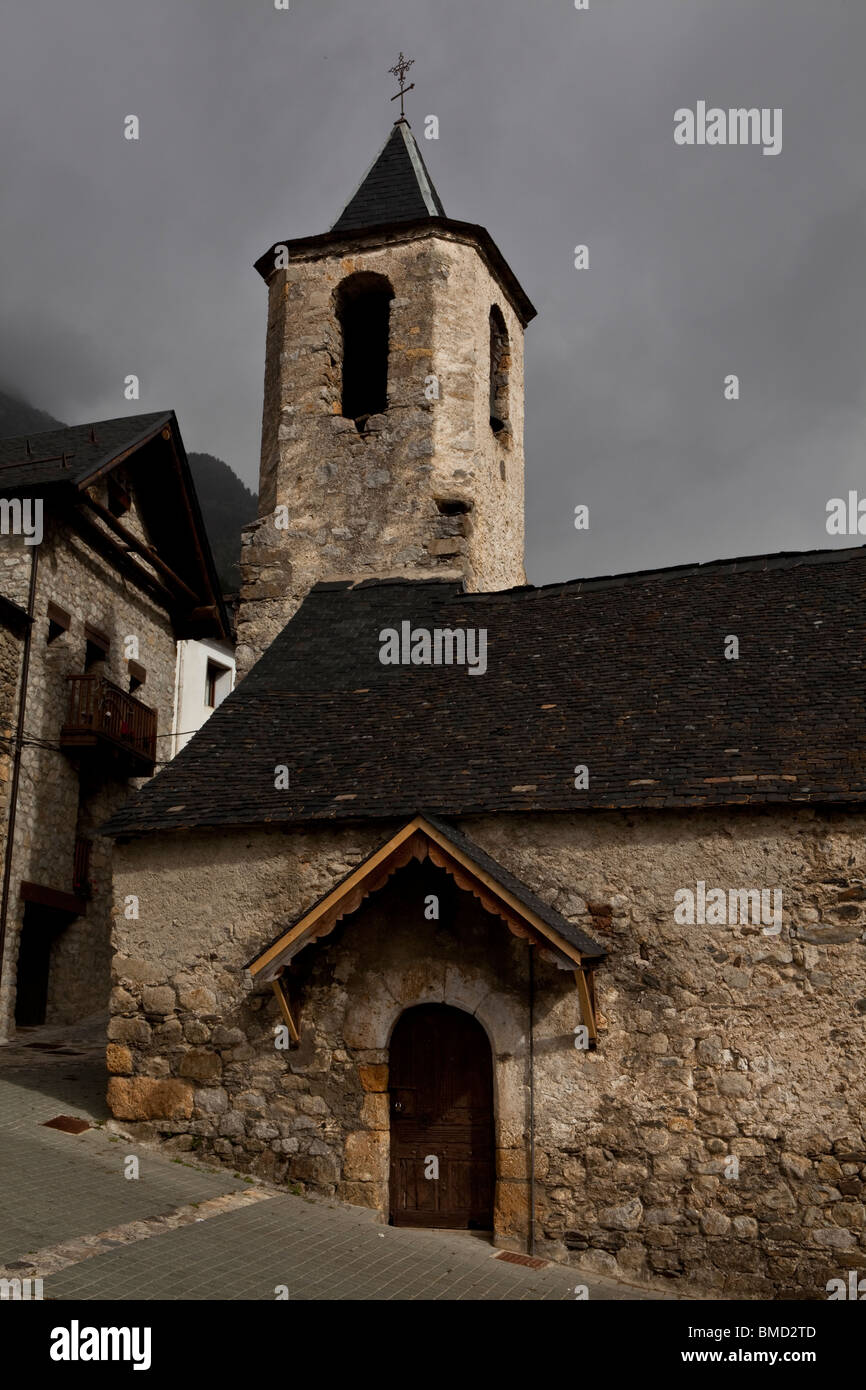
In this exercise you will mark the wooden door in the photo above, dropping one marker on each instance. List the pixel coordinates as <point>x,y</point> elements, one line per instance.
<point>441,1080</point>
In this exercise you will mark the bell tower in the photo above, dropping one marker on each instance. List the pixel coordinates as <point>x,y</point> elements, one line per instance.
<point>392,429</point>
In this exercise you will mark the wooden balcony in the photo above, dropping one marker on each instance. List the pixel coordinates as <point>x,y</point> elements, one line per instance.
<point>106,719</point>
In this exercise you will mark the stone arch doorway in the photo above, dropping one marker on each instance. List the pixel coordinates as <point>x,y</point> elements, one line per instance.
<point>442,1167</point>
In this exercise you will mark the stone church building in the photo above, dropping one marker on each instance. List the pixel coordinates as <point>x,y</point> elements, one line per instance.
<point>528,910</point>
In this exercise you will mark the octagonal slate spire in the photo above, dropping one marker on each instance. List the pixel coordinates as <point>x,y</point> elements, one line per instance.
<point>396,187</point>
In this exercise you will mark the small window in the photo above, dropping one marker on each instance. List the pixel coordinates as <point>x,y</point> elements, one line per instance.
<point>97,647</point>
<point>363,304</point>
<point>452,506</point>
<point>218,684</point>
<point>500,363</point>
<point>137,676</point>
<point>59,621</point>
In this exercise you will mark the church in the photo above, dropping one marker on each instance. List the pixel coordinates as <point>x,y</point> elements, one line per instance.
<point>402,924</point>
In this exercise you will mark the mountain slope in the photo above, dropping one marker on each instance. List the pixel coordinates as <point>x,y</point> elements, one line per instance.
<point>17,417</point>
<point>227,505</point>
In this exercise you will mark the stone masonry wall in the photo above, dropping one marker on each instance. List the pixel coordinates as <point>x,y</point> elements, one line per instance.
<point>56,802</point>
<point>715,1135</point>
<point>11,648</point>
<point>365,504</point>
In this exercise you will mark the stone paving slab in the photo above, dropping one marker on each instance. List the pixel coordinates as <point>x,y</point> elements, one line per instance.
<point>36,1085</point>
<point>320,1252</point>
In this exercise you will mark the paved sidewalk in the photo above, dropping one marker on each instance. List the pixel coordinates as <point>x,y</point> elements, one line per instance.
<point>184,1231</point>
<point>55,1186</point>
<point>315,1251</point>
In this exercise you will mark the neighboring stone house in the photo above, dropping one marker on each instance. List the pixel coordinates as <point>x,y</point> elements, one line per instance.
<point>532,911</point>
<point>13,627</point>
<point>120,571</point>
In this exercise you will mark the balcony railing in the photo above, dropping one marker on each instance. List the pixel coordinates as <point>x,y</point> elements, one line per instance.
<point>101,715</point>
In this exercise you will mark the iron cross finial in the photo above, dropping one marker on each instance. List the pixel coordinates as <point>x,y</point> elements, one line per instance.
<point>400,69</point>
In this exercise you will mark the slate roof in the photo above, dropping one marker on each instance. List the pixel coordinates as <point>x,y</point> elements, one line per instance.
<point>396,187</point>
<point>521,891</point>
<point>397,199</point>
<point>626,675</point>
<point>62,462</point>
<point>75,452</point>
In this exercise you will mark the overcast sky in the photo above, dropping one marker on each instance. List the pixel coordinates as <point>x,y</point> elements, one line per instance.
<point>556,128</point>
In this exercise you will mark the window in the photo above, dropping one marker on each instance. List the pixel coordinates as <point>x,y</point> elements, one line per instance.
<point>363,306</point>
<point>218,684</point>
<point>500,362</point>
<point>97,647</point>
<point>455,517</point>
<point>59,622</point>
<point>137,676</point>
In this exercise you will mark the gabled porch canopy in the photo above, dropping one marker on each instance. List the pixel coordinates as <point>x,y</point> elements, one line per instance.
<point>498,891</point>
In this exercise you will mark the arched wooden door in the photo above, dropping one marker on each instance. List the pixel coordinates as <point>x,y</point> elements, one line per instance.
<point>441,1082</point>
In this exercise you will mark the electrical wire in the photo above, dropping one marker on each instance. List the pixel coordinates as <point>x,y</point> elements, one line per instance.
<point>8,742</point>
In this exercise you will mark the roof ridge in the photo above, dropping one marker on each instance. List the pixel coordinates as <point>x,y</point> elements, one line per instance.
<point>782,559</point>
<point>779,559</point>
<point>428,193</point>
<point>86,425</point>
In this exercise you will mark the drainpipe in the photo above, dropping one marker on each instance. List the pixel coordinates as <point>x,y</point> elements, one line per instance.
<point>180,649</point>
<point>16,763</point>
<point>531,1100</point>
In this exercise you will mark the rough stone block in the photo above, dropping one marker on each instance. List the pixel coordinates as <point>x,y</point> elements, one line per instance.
<point>374,1078</point>
<point>212,1100</point>
<point>118,1059</point>
<point>715,1223</point>
<point>200,1065</point>
<point>364,1194</point>
<point>158,999</point>
<point>626,1217</point>
<point>318,1169</point>
<point>197,999</point>
<point>366,1156</point>
<point>513,1163</point>
<point>141,1098</point>
<point>375,1111</point>
<point>511,1216</point>
<point>130,1030</point>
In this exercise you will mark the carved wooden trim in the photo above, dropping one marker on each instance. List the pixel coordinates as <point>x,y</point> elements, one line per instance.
<point>417,840</point>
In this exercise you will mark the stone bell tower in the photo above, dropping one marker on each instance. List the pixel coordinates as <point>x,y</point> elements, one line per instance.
<point>392,430</point>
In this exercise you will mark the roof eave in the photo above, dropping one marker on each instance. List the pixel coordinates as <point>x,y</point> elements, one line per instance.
<point>299,246</point>
<point>112,460</point>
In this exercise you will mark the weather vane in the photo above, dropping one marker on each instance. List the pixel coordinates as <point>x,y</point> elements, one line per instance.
<point>400,69</point>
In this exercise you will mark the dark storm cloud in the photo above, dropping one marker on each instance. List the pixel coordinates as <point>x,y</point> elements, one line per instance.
<point>556,129</point>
